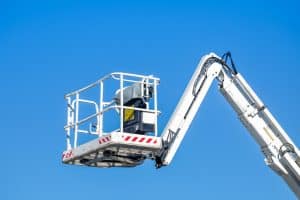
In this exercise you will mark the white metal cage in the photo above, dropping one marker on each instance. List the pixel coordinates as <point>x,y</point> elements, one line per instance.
<point>86,116</point>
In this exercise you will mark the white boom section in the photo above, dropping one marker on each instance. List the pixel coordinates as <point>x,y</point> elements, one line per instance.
<point>281,154</point>
<point>187,108</point>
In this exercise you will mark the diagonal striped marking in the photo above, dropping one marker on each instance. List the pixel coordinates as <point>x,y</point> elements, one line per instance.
<point>149,140</point>
<point>127,138</point>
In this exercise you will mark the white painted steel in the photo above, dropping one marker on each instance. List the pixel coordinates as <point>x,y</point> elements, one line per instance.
<point>124,146</point>
<point>155,107</point>
<point>118,149</point>
<point>179,123</point>
<point>76,120</point>
<point>281,154</point>
<point>69,121</point>
<point>264,128</point>
<point>101,104</point>
<point>148,118</point>
<point>121,102</point>
<point>76,125</point>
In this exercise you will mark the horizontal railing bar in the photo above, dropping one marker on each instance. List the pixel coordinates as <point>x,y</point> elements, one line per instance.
<point>108,108</point>
<point>133,75</point>
<point>87,132</point>
<point>136,81</point>
<point>113,75</point>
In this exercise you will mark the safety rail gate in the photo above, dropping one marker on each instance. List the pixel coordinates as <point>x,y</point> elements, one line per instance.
<point>91,137</point>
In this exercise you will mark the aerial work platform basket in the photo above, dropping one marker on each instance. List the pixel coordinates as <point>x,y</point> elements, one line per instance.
<point>113,122</point>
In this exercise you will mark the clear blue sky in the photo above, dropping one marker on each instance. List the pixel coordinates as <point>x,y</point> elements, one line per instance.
<point>50,48</point>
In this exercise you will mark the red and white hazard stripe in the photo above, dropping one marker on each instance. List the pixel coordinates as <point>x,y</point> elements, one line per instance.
<point>67,155</point>
<point>139,139</point>
<point>104,139</point>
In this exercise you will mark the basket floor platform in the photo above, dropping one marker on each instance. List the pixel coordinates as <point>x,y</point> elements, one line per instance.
<point>114,150</point>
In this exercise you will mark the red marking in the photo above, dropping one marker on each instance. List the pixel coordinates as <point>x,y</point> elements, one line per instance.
<point>134,139</point>
<point>142,139</point>
<point>149,140</point>
<point>105,139</point>
<point>127,138</point>
<point>67,155</point>
<point>155,141</point>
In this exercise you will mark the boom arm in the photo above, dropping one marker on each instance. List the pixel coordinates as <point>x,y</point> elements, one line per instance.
<point>281,154</point>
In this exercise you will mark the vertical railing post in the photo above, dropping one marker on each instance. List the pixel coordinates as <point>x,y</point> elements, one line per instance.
<point>147,91</point>
<point>76,120</point>
<point>69,122</point>
<point>101,117</point>
<point>121,102</point>
<point>155,105</point>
